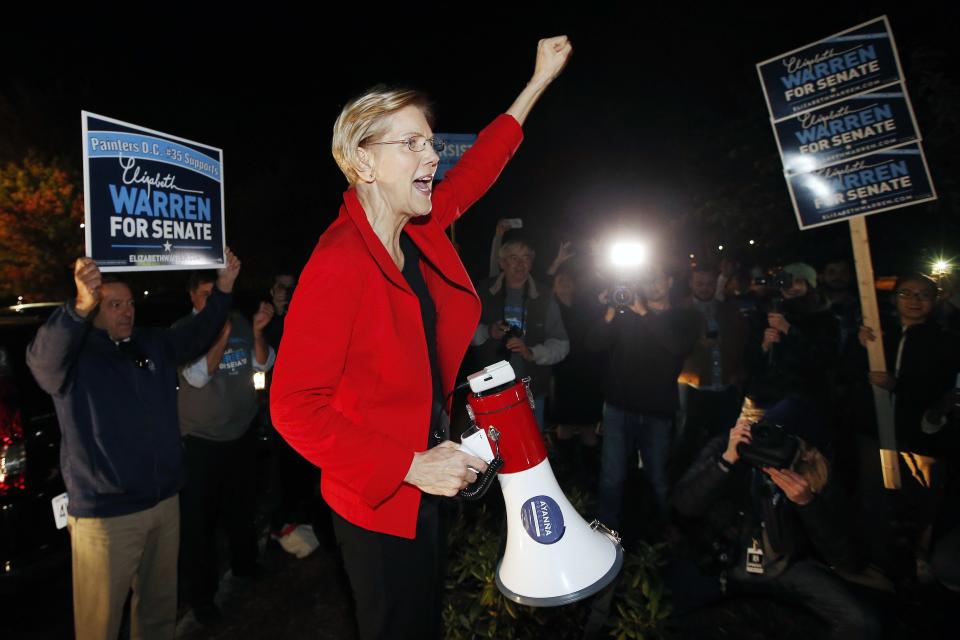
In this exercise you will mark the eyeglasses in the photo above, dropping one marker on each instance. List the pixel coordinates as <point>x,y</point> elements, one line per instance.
<point>526,258</point>
<point>908,294</point>
<point>417,143</point>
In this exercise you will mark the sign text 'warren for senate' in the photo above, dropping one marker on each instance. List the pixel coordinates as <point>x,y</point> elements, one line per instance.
<point>860,59</point>
<point>153,201</point>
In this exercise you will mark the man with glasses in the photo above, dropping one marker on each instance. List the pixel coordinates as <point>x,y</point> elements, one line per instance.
<point>520,321</point>
<point>923,362</point>
<point>116,402</point>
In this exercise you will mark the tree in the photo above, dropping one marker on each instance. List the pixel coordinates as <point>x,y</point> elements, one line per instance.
<point>41,210</point>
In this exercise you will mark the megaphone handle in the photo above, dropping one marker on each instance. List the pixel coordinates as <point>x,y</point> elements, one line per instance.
<point>479,487</point>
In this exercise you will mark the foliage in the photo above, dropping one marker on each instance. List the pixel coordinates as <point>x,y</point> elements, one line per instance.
<point>41,209</point>
<point>641,608</point>
<point>475,608</point>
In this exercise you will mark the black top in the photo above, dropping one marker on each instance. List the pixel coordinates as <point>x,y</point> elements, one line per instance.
<point>414,277</point>
<point>645,355</point>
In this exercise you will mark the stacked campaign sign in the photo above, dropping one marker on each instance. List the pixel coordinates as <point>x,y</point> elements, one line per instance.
<point>845,127</point>
<point>153,201</point>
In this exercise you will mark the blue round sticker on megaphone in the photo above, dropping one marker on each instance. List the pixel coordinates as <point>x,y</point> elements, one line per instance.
<point>542,519</point>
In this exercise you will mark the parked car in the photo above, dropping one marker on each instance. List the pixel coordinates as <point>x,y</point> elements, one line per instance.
<point>31,545</point>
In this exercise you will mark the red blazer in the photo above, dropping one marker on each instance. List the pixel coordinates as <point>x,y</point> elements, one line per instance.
<point>351,385</point>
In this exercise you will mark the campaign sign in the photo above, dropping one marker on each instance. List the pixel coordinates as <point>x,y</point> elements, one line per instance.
<point>879,182</point>
<point>457,145</point>
<point>857,126</point>
<point>853,61</point>
<point>153,201</point>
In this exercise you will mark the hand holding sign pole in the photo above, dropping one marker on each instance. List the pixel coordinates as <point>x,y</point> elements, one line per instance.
<point>883,403</point>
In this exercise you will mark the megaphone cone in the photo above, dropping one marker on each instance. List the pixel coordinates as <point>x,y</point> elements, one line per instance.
<point>553,557</point>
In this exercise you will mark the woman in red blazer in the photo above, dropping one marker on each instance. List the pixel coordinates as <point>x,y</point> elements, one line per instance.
<point>382,316</point>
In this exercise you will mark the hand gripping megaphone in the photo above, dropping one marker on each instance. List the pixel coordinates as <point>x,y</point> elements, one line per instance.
<point>553,557</point>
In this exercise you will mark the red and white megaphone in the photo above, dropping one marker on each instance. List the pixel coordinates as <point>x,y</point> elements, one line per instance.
<point>553,557</point>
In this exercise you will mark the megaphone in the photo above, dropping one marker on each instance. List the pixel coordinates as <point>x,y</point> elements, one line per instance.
<point>553,556</point>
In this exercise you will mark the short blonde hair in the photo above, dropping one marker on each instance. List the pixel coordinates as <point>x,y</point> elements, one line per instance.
<point>364,118</point>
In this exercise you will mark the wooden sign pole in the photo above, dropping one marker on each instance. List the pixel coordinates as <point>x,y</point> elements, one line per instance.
<point>889,458</point>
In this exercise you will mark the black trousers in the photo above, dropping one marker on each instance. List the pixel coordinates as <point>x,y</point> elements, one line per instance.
<point>221,487</point>
<point>297,481</point>
<point>397,583</point>
<point>845,610</point>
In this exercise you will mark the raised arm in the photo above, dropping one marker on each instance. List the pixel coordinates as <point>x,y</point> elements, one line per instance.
<point>194,337</point>
<point>53,351</point>
<point>552,56</point>
<point>480,166</point>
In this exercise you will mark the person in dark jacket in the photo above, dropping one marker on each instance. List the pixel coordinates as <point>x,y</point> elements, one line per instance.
<point>645,344</point>
<point>800,349</point>
<point>776,532</point>
<point>924,362</point>
<point>114,389</point>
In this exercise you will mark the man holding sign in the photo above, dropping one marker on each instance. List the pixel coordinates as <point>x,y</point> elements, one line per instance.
<point>114,393</point>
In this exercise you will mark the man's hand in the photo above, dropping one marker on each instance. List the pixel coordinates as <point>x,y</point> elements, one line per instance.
<point>443,470</point>
<point>87,277</point>
<point>865,335</point>
<point>739,433</point>
<point>497,330</point>
<point>503,225</point>
<point>779,322</point>
<point>882,379</point>
<point>228,274</point>
<point>517,345</point>
<point>564,253</point>
<point>638,307</point>
<point>771,337</point>
<point>262,317</point>
<point>793,485</point>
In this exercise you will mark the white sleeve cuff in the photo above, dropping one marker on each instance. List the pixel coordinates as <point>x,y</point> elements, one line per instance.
<point>196,374</point>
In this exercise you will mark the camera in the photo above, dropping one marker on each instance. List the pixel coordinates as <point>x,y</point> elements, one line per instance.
<point>512,332</point>
<point>782,280</point>
<point>770,446</point>
<point>622,295</point>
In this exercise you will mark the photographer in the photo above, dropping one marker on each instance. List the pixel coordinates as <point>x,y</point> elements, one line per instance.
<point>520,321</point>
<point>799,350</point>
<point>645,341</point>
<point>774,531</point>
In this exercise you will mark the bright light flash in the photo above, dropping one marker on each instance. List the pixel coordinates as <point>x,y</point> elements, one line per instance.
<point>628,254</point>
<point>259,380</point>
<point>942,267</point>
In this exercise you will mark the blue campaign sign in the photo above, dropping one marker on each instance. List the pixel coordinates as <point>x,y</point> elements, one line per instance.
<point>457,145</point>
<point>153,201</point>
<point>878,182</point>
<point>857,126</point>
<point>853,61</point>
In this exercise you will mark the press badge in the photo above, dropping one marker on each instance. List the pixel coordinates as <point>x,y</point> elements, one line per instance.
<point>60,510</point>
<point>755,558</point>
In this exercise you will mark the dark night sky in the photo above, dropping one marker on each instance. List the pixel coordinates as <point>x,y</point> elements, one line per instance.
<point>647,90</point>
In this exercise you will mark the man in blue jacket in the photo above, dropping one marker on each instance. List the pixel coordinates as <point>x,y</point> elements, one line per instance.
<point>114,389</point>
